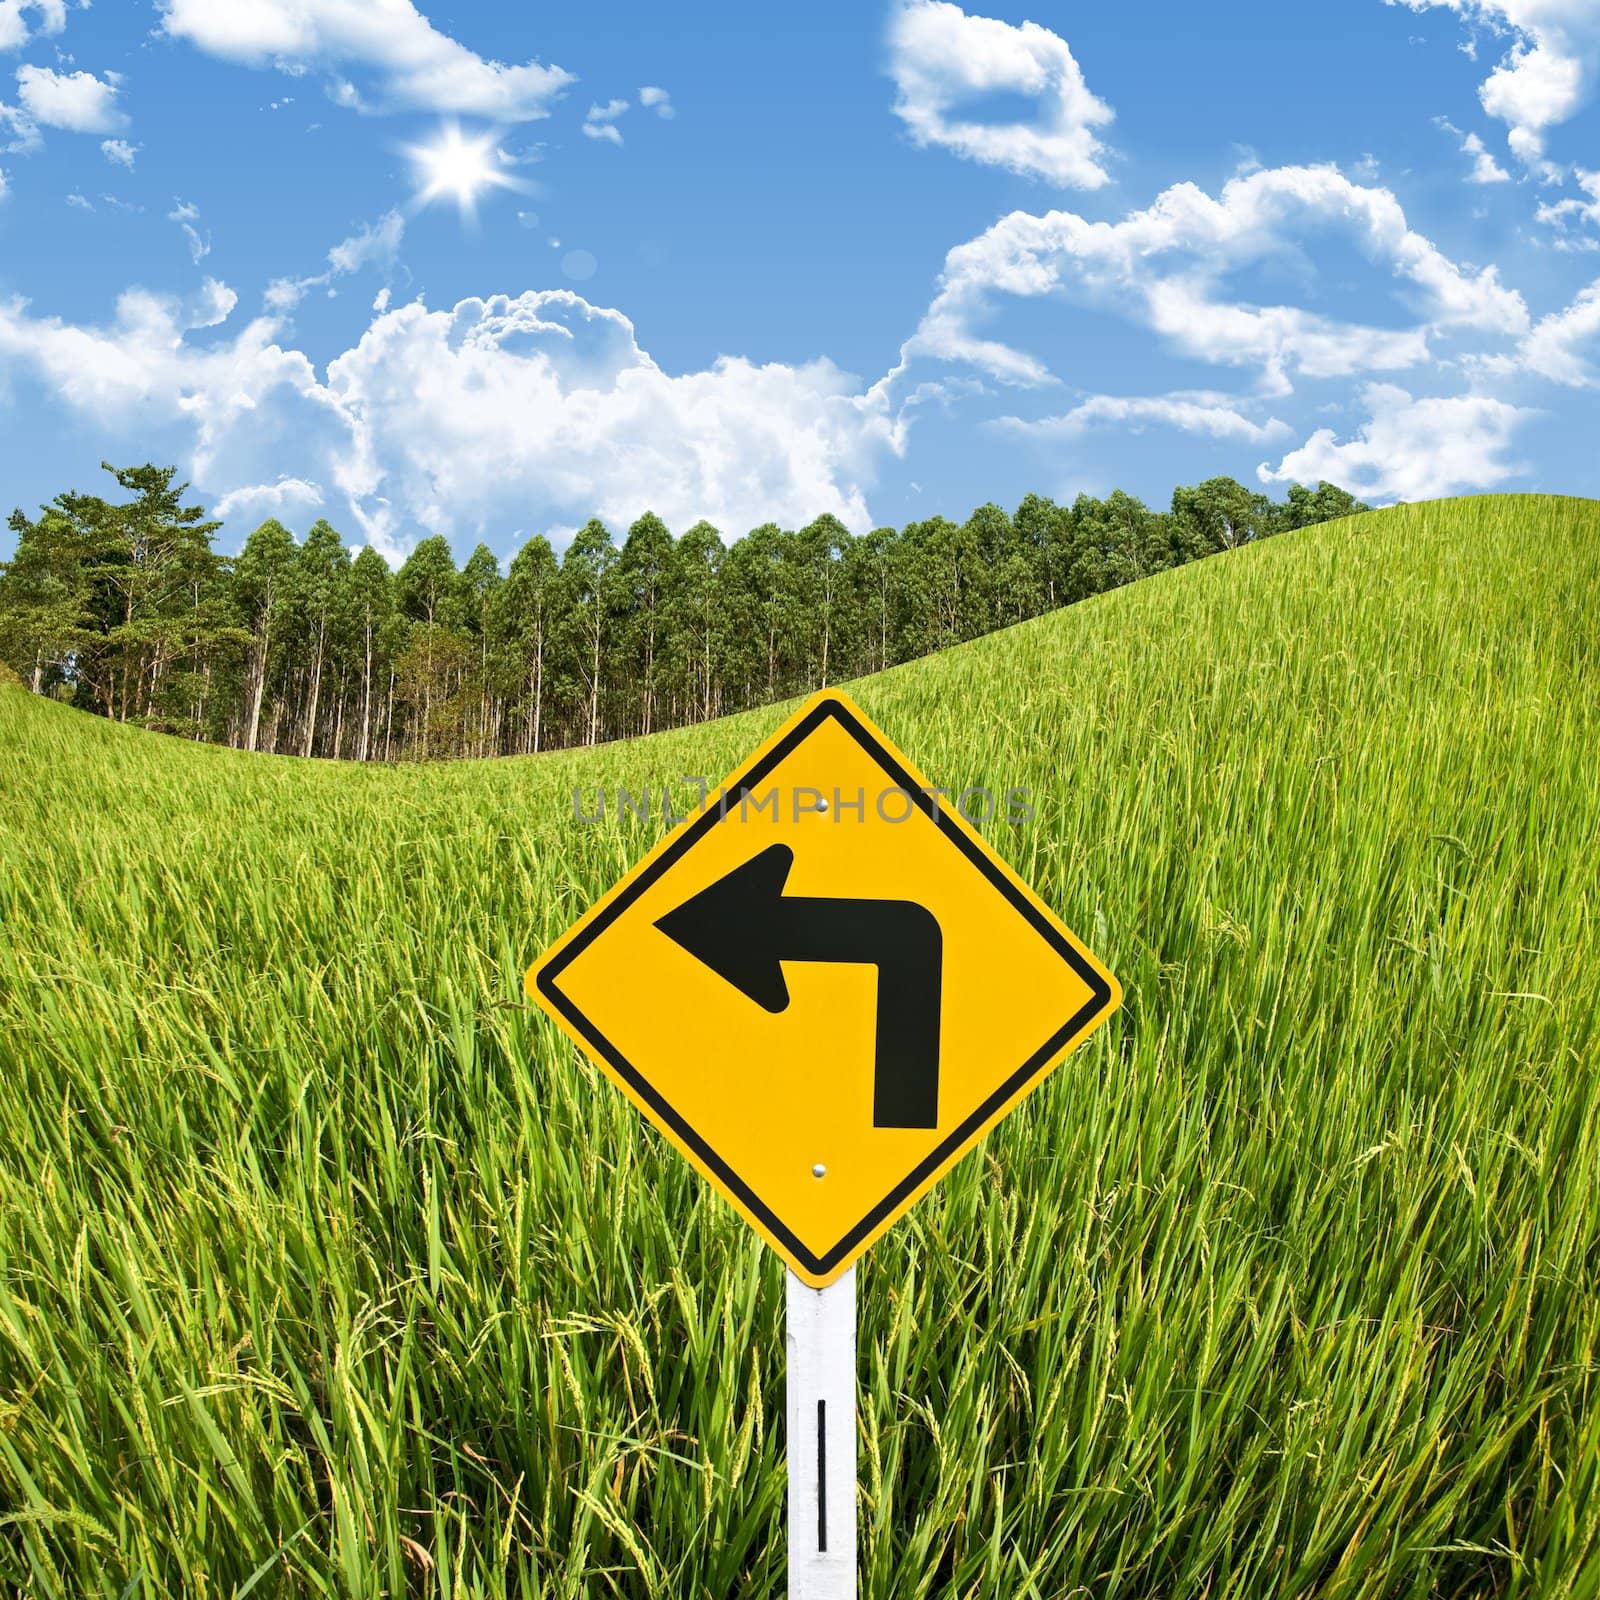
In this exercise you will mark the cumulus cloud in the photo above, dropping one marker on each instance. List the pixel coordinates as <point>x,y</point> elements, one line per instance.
<point>76,101</point>
<point>144,375</point>
<point>51,16</point>
<point>1548,71</point>
<point>1204,412</point>
<point>283,498</point>
<point>1411,449</point>
<point>941,59</point>
<point>491,415</point>
<point>657,100</point>
<point>601,121</point>
<point>1166,268</point>
<point>410,63</point>
<point>545,404</point>
<point>1560,346</point>
<point>119,151</point>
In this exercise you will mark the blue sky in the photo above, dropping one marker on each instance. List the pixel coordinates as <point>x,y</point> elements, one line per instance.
<point>881,259</point>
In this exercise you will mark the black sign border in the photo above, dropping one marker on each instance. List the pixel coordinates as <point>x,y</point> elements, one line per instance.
<point>1098,1002</point>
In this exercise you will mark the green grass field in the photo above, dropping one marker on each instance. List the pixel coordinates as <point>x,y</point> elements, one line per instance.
<point>327,1267</point>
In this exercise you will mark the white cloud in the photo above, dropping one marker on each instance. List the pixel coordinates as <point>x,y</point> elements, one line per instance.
<point>76,101</point>
<point>5,184</point>
<point>282,498</point>
<point>658,101</point>
<point>411,63</point>
<point>1411,449</point>
<point>488,416</point>
<point>374,243</point>
<point>941,58</point>
<point>601,121</point>
<point>344,93</point>
<point>284,294</point>
<point>80,202</point>
<point>1200,411</point>
<point>1485,169</point>
<point>22,132</point>
<point>1555,349</point>
<point>544,405</point>
<point>119,151</point>
<point>1545,76</point>
<point>1567,215</point>
<point>52,15</point>
<point>1166,268</point>
<point>143,377</point>
<point>186,215</point>
<point>212,306</point>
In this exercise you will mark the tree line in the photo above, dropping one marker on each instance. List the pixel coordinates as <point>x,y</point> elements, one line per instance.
<point>121,606</point>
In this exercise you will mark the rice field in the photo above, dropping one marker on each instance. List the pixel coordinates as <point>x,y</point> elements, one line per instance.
<point>327,1267</point>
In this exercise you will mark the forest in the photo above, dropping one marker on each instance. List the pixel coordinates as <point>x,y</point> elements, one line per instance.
<point>121,606</point>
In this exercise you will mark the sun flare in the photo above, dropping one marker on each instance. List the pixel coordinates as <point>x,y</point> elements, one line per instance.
<point>460,168</point>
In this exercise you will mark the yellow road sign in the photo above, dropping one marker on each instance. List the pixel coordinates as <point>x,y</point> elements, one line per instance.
<point>824,987</point>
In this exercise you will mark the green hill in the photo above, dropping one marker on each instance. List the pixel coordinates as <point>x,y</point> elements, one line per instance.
<point>326,1267</point>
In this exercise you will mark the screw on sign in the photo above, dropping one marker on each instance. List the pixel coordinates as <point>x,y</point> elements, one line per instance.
<point>900,988</point>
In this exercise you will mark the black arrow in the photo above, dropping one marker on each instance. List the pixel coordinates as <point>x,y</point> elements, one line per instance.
<point>744,927</point>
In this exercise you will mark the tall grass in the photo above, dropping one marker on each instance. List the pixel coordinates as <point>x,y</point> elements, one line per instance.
<point>327,1268</point>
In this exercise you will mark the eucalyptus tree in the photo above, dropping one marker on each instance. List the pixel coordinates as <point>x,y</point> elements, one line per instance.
<point>1036,525</point>
<point>820,551</point>
<point>760,608</point>
<point>428,591</point>
<point>873,572</point>
<point>320,571</point>
<point>369,605</point>
<point>1304,506</point>
<point>125,606</point>
<point>1126,539</point>
<point>989,558</point>
<point>197,691</point>
<point>946,585</point>
<point>696,623</point>
<point>1219,514</point>
<point>480,578</point>
<point>262,593</point>
<point>642,578</point>
<point>588,570</point>
<point>525,616</point>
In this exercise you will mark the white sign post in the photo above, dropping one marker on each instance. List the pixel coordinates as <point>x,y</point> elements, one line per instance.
<point>821,1412</point>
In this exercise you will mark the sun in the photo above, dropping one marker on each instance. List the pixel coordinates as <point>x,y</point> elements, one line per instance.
<point>455,166</point>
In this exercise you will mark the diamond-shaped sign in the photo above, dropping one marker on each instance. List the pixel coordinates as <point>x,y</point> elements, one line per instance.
<point>824,987</point>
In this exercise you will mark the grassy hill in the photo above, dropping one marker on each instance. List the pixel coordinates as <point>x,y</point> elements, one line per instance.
<point>326,1267</point>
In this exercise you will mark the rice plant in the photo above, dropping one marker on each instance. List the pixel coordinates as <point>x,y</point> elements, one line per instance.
<point>327,1267</point>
